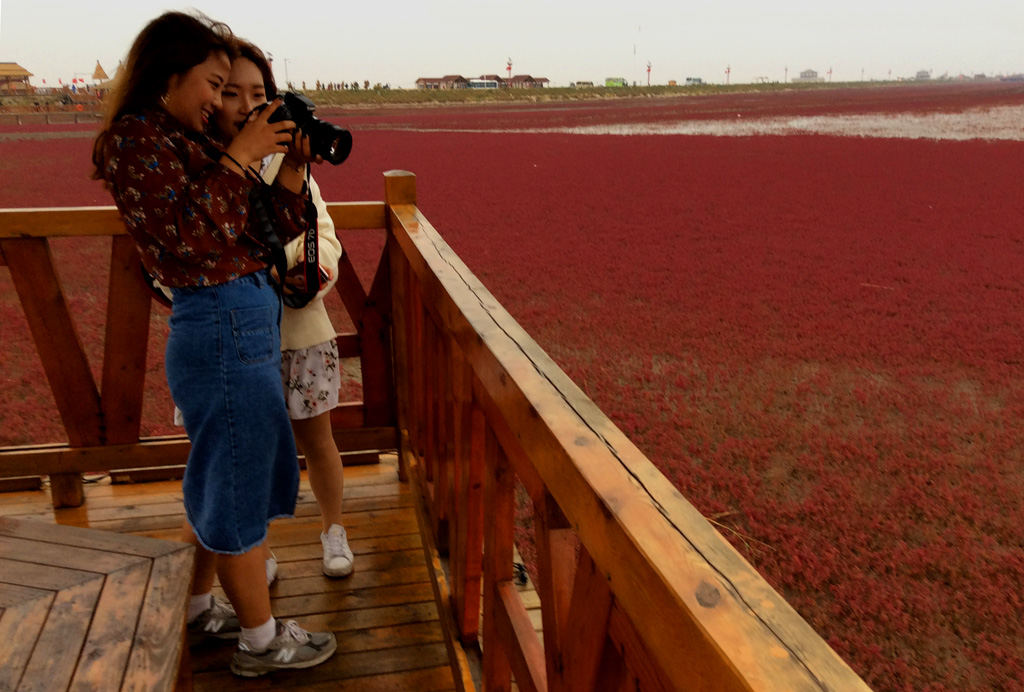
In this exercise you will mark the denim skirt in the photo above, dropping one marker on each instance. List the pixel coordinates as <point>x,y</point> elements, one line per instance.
<point>223,368</point>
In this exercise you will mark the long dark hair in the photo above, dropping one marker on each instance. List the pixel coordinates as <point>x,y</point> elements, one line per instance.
<point>254,55</point>
<point>172,44</point>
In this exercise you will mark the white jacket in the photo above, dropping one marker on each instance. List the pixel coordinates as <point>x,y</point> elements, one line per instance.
<point>310,325</point>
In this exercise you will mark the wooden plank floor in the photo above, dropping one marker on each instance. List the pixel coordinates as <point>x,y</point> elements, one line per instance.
<point>384,615</point>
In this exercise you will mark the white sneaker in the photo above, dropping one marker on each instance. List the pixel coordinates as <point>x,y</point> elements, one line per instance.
<point>338,559</point>
<point>271,569</point>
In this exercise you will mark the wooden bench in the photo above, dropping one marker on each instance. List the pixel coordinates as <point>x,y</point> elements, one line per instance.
<point>82,609</point>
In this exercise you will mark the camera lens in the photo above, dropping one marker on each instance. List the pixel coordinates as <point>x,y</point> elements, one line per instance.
<point>336,145</point>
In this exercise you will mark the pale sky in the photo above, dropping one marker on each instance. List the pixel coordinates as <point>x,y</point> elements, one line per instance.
<point>566,41</point>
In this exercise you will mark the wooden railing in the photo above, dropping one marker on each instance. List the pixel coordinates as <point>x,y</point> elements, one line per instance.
<point>637,589</point>
<point>102,421</point>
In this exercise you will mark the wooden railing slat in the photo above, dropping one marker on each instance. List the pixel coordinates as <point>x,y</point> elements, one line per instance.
<point>375,335</point>
<point>644,669</point>
<point>125,345</point>
<point>583,648</point>
<point>348,345</point>
<point>556,563</point>
<point>60,222</point>
<point>56,338</point>
<point>348,286</point>
<point>160,451</point>
<point>357,215</point>
<point>54,222</point>
<point>526,655</point>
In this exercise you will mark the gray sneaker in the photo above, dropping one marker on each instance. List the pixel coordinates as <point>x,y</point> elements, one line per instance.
<point>293,647</point>
<point>216,622</point>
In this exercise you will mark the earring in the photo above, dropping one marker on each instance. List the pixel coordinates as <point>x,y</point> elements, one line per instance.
<point>163,100</point>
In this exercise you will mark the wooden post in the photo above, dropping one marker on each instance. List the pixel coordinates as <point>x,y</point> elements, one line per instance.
<point>417,364</point>
<point>400,345</point>
<point>430,405</point>
<point>499,489</point>
<point>400,188</point>
<point>466,526</point>
<point>445,443</point>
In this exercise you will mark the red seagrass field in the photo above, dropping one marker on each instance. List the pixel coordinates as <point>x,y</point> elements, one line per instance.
<point>816,337</point>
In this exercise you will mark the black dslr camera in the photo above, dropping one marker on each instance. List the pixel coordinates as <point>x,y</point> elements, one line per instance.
<point>331,142</point>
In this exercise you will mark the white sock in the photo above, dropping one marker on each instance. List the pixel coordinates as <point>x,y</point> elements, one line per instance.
<point>259,638</point>
<point>199,604</point>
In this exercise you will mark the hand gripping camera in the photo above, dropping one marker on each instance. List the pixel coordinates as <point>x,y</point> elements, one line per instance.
<point>331,142</point>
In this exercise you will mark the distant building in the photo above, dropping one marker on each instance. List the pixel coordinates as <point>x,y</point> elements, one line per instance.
<point>582,85</point>
<point>923,74</point>
<point>694,81</point>
<point>14,79</point>
<point>809,76</point>
<point>487,81</point>
<point>525,81</point>
<point>452,81</point>
<point>496,78</point>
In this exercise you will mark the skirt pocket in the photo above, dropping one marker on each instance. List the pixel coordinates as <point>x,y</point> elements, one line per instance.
<point>253,329</point>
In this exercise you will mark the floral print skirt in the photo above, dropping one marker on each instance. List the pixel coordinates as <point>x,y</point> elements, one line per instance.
<point>311,379</point>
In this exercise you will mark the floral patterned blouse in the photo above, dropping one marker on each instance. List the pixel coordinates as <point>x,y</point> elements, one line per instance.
<point>189,215</point>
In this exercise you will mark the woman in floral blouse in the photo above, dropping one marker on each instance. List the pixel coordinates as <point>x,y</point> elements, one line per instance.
<point>187,205</point>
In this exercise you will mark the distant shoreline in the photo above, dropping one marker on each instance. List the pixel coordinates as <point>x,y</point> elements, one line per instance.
<point>414,98</point>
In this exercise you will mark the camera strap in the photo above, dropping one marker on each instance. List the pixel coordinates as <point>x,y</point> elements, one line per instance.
<point>310,258</point>
<point>312,272</point>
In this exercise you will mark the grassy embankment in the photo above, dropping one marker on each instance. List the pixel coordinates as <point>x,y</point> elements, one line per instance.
<point>437,97</point>
<point>414,97</point>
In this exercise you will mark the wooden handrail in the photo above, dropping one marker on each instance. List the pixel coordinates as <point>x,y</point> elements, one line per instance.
<point>69,222</point>
<point>634,582</point>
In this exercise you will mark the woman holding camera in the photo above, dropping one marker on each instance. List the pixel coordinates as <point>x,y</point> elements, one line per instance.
<point>309,350</point>
<point>186,204</point>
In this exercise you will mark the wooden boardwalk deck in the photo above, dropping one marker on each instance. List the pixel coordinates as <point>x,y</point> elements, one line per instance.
<point>384,615</point>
